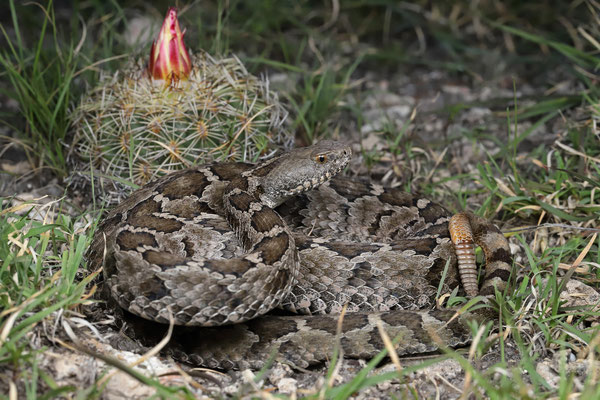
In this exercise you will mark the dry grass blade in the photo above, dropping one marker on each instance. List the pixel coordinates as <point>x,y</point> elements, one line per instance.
<point>338,355</point>
<point>390,347</point>
<point>187,378</point>
<point>578,153</point>
<point>172,153</point>
<point>12,391</point>
<point>467,389</point>
<point>576,264</point>
<point>584,252</point>
<point>15,209</point>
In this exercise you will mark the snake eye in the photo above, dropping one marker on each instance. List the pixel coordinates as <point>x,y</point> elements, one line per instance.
<point>321,158</point>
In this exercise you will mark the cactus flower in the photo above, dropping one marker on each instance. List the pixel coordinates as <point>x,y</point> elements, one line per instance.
<point>169,59</point>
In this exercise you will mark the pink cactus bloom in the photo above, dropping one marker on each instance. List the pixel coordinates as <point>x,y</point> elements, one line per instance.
<point>169,59</point>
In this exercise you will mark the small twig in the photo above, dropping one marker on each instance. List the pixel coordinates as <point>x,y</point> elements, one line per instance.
<point>549,225</point>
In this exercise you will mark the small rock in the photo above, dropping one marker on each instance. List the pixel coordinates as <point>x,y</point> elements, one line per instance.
<point>476,115</point>
<point>141,29</point>
<point>123,386</point>
<point>578,294</point>
<point>547,372</point>
<point>287,385</point>
<point>72,367</point>
<point>18,168</point>
<point>279,372</point>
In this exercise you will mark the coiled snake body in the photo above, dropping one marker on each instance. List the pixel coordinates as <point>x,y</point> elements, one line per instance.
<point>172,249</point>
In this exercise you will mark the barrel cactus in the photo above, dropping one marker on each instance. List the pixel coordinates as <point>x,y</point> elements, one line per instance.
<point>174,111</point>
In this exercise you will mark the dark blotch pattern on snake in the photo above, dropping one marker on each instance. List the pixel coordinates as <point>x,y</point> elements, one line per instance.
<point>219,246</point>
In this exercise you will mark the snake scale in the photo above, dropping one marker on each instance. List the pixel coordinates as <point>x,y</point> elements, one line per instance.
<point>221,245</point>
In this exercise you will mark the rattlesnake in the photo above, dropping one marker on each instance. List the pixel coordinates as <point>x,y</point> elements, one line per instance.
<point>308,245</point>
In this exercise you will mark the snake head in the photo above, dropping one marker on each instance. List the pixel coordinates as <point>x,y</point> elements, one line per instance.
<point>300,170</point>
